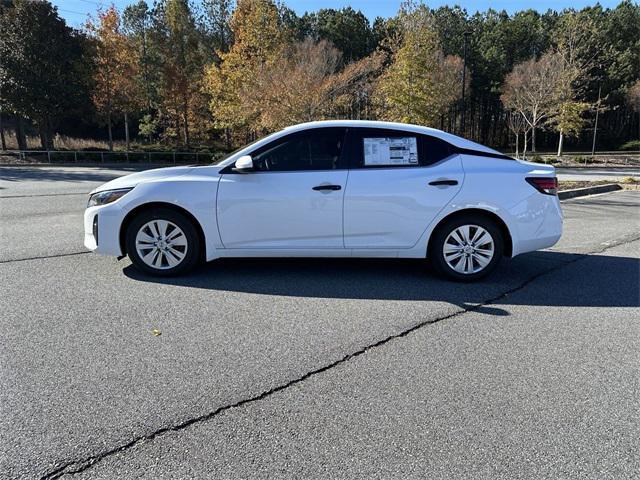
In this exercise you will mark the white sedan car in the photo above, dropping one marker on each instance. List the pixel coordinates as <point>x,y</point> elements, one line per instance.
<point>333,189</point>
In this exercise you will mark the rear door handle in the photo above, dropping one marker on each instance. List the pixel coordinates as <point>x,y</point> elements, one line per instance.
<point>437,183</point>
<point>327,187</point>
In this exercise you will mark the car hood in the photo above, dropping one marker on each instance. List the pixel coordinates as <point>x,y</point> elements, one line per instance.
<point>129,181</point>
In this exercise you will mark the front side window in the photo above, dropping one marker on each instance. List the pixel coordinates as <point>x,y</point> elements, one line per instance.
<point>317,149</point>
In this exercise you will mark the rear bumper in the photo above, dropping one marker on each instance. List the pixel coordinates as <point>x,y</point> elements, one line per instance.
<point>102,229</point>
<point>538,223</point>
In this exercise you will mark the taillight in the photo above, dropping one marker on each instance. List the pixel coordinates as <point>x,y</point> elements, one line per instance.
<point>546,185</point>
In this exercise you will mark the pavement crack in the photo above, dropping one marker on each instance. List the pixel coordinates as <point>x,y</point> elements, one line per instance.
<point>43,257</point>
<point>78,466</point>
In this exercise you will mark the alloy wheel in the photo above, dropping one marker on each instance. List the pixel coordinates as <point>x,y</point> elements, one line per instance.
<point>468,249</point>
<point>161,244</point>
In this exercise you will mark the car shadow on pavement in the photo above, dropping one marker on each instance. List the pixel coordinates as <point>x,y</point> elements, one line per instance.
<point>593,280</point>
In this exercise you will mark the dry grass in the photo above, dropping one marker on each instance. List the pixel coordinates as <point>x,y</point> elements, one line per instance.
<point>70,143</point>
<point>12,142</point>
<point>571,184</point>
<point>60,142</point>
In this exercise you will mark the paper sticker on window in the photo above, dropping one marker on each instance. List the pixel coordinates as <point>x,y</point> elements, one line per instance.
<point>391,151</point>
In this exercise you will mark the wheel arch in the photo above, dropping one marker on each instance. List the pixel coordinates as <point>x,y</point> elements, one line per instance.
<point>155,205</point>
<point>504,229</point>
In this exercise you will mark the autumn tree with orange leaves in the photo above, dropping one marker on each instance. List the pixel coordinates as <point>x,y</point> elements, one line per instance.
<point>267,81</point>
<point>307,83</point>
<point>116,91</point>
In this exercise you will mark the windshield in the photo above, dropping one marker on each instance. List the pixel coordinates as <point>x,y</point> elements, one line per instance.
<point>231,154</point>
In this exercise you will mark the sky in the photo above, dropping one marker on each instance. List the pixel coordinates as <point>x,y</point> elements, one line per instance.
<point>76,11</point>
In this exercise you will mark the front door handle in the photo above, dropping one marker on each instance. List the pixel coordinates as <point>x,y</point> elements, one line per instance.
<point>327,187</point>
<point>437,183</point>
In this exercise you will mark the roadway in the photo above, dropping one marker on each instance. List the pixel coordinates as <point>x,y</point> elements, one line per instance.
<point>314,368</point>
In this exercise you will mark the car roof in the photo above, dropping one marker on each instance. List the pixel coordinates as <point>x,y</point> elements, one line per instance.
<point>434,132</point>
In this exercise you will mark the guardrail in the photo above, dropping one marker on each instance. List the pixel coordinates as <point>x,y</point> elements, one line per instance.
<point>99,156</point>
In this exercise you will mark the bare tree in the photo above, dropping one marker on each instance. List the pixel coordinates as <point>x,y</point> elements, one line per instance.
<point>532,88</point>
<point>518,125</point>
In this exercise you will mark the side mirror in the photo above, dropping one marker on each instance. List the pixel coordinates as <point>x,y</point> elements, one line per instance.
<point>244,164</point>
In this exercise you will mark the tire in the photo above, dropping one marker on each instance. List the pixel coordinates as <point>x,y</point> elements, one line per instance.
<point>175,252</point>
<point>466,259</point>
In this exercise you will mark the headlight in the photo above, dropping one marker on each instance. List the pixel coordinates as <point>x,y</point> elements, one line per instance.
<point>108,196</point>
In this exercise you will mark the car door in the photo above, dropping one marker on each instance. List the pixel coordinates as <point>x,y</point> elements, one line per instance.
<point>398,182</point>
<point>292,199</point>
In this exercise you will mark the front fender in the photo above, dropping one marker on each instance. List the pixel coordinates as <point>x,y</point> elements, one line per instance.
<point>196,195</point>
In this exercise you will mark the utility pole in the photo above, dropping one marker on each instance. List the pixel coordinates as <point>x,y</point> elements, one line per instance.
<point>464,82</point>
<point>595,125</point>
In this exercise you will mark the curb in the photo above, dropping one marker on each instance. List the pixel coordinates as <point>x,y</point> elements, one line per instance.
<point>581,192</point>
<point>615,168</point>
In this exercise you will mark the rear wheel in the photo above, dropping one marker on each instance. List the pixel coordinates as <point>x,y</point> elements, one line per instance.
<point>466,248</point>
<point>163,242</point>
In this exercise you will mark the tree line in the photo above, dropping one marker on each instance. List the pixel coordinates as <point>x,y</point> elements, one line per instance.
<point>221,73</point>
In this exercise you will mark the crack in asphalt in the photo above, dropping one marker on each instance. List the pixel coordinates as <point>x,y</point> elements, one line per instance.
<point>78,466</point>
<point>44,257</point>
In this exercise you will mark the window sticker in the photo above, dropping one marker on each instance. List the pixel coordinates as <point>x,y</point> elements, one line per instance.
<point>390,151</point>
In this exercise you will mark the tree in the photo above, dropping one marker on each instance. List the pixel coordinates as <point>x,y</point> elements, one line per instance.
<point>349,31</point>
<point>44,66</point>
<point>217,14</point>
<point>259,42</point>
<point>633,98</point>
<point>183,61</point>
<point>577,44</point>
<point>620,40</point>
<point>531,90</point>
<point>116,89</point>
<point>568,120</point>
<point>306,84</point>
<point>137,25</point>
<point>148,126</point>
<point>518,125</point>
<point>416,87</point>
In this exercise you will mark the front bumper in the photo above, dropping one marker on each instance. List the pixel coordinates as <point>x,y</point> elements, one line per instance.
<point>102,229</point>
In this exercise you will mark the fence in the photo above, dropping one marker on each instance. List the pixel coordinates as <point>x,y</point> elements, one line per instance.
<point>106,157</point>
<point>18,157</point>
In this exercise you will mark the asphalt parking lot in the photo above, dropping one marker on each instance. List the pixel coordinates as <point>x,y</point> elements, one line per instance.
<point>268,368</point>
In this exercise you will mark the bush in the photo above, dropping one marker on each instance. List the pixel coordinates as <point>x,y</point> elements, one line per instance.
<point>546,161</point>
<point>583,159</point>
<point>631,145</point>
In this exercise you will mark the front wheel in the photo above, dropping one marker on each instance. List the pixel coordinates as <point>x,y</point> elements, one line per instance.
<point>163,242</point>
<point>466,248</point>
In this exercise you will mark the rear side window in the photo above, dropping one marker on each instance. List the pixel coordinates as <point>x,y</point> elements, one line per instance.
<point>317,149</point>
<point>381,148</point>
<point>390,151</point>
